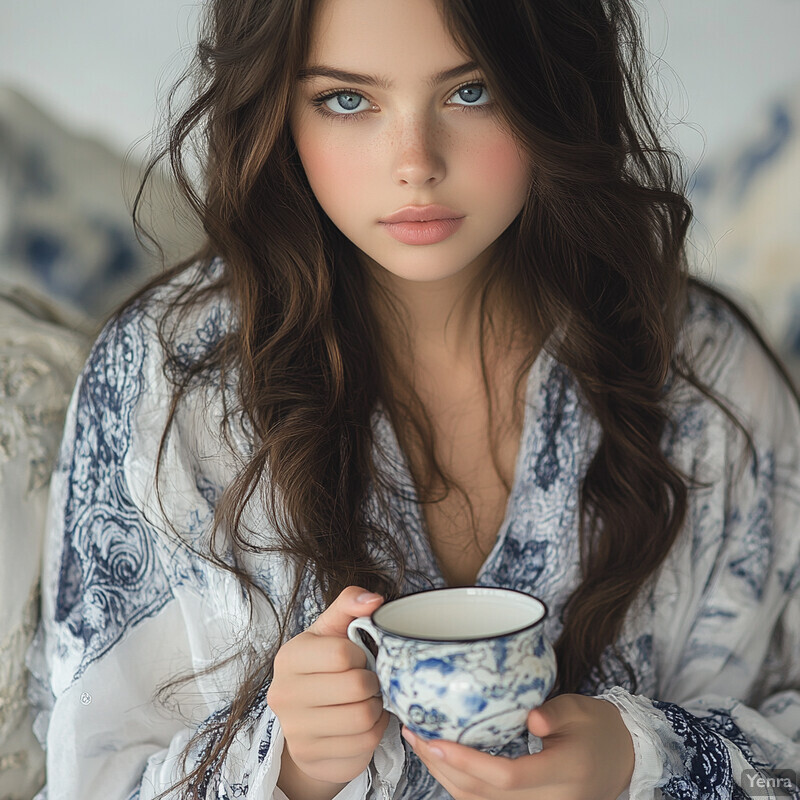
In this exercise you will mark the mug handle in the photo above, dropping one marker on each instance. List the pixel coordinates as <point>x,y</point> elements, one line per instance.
<point>364,624</point>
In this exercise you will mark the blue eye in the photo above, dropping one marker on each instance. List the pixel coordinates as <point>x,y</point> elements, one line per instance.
<point>472,92</point>
<point>348,100</point>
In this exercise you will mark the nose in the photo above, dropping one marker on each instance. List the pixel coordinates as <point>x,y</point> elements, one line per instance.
<point>419,158</point>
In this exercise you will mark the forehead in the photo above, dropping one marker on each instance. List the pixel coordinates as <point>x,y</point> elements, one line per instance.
<point>395,37</point>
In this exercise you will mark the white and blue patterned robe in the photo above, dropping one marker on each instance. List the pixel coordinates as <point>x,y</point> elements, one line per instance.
<point>714,640</point>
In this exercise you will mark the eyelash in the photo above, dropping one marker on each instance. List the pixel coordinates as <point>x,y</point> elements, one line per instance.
<point>319,102</point>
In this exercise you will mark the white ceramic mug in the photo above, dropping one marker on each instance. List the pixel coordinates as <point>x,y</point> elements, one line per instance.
<point>464,664</point>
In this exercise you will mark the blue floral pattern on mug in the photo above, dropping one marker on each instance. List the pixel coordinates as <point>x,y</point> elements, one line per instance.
<point>476,692</point>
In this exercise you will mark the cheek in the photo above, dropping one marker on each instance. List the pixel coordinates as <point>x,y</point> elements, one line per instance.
<point>503,171</point>
<point>334,174</point>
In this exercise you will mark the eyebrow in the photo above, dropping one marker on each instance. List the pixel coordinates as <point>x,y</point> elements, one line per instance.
<point>323,71</point>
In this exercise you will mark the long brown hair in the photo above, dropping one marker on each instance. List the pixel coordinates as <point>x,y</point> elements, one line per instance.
<point>596,257</point>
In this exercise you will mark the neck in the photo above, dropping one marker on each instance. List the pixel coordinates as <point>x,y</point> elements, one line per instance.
<point>434,324</point>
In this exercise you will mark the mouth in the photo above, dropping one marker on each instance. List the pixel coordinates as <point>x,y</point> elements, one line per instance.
<point>430,213</point>
<point>416,232</point>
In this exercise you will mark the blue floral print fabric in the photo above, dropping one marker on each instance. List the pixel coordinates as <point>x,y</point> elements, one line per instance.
<point>714,638</point>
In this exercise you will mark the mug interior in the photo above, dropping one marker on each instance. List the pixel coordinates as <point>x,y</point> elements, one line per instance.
<point>459,613</point>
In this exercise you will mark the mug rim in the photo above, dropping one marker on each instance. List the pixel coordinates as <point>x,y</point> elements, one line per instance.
<point>512,632</point>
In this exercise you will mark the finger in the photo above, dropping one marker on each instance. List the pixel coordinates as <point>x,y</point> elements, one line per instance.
<point>309,654</point>
<point>352,602</point>
<point>338,688</point>
<point>542,722</point>
<point>558,715</point>
<point>347,719</point>
<point>472,770</point>
<point>342,745</point>
<point>456,783</point>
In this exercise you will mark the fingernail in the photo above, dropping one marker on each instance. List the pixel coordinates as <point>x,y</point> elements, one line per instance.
<point>436,751</point>
<point>367,597</point>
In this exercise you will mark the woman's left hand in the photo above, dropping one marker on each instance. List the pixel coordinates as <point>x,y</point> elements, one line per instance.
<point>587,754</point>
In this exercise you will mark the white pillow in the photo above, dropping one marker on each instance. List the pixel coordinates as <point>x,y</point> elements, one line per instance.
<point>39,360</point>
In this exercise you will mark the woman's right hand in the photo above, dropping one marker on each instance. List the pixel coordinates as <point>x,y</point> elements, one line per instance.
<point>327,701</point>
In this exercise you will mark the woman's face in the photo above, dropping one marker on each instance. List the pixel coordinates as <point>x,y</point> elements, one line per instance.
<point>370,150</point>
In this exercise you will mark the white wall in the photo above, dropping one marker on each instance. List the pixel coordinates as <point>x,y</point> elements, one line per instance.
<point>731,57</point>
<point>100,64</point>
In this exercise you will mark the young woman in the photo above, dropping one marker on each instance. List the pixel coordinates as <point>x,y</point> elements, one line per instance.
<point>441,333</point>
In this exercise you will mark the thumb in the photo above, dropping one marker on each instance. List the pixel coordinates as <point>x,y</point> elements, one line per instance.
<point>541,721</point>
<point>351,603</point>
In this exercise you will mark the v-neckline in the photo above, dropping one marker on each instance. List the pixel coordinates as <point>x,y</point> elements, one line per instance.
<point>535,379</point>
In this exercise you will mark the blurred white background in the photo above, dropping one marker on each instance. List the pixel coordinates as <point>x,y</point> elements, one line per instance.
<point>100,65</point>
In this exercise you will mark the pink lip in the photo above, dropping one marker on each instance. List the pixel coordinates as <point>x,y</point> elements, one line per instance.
<point>422,224</point>
<point>422,214</point>
<point>431,232</point>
